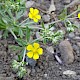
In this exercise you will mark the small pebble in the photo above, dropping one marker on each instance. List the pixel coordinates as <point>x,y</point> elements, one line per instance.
<point>78,43</point>
<point>69,73</point>
<point>46,18</point>
<point>77,23</point>
<point>29,4</point>
<point>50,49</point>
<point>77,38</point>
<point>52,8</point>
<point>28,71</point>
<point>71,35</point>
<point>38,36</point>
<point>67,1</point>
<point>66,52</point>
<point>45,75</point>
<point>15,57</point>
<point>75,47</point>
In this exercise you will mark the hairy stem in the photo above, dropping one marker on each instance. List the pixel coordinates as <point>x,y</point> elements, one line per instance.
<point>13,33</point>
<point>24,55</point>
<point>23,21</point>
<point>72,13</point>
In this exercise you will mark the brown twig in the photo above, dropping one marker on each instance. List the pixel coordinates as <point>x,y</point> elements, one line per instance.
<point>42,10</point>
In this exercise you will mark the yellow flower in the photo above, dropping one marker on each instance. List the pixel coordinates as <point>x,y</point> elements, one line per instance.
<point>34,51</point>
<point>34,14</point>
<point>79,15</point>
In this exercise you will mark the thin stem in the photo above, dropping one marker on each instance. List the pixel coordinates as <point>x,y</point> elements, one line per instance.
<point>54,22</point>
<point>36,40</point>
<point>72,13</point>
<point>60,20</point>
<point>39,26</point>
<point>13,33</point>
<point>23,21</point>
<point>27,23</point>
<point>24,55</point>
<point>73,18</point>
<point>20,16</point>
<point>33,27</point>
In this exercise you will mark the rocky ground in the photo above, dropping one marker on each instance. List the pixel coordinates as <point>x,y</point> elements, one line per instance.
<point>66,67</point>
<point>47,67</point>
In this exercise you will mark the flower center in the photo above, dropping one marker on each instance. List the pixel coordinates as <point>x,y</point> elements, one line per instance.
<point>34,50</point>
<point>33,15</point>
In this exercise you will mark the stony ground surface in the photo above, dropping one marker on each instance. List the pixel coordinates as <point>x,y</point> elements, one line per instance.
<point>47,67</point>
<point>5,62</point>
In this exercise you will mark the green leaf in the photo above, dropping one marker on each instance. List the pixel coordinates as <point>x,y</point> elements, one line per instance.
<point>21,72</point>
<point>20,33</point>
<point>10,14</point>
<point>20,56</point>
<point>63,14</point>
<point>43,25</point>
<point>27,34</point>
<point>16,29</point>
<point>14,47</point>
<point>78,7</point>
<point>21,42</point>
<point>22,2</point>
<point>2,24</point>
<point>44,40</point>
<point>70,26</point>
<point>5,34</point>
<point>19,15</point>
<point>51,25</point>
<point>4,20</point>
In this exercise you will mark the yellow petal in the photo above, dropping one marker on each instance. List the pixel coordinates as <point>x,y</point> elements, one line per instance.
<point>38,16</point>
<point>35,20</point>
<point>36,45</point>
<point>30,15</point>
<point>31,10</point>
<point>36,11</point>
<point>29,47</point>
<point>40,51</point>
<point>79,15</point>
<point>30,54</point>
<point>35,56</point>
